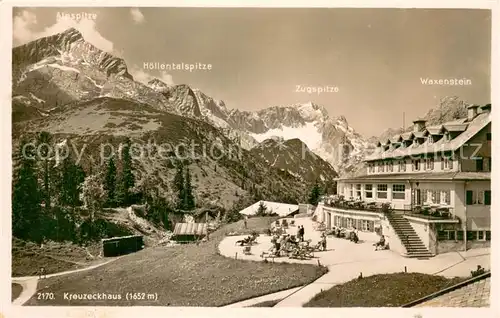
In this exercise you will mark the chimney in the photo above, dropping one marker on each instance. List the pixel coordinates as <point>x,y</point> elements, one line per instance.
<point>472,112</point>
<point>486,108</point>
<point>419,125</point>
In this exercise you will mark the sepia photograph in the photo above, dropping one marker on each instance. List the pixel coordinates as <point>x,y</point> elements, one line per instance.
<point>244,157</point>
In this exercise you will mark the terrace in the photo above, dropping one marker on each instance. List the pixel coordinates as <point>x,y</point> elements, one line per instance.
<point>424,211</point>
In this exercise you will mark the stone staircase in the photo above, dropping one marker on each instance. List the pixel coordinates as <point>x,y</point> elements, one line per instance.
<point>408,237</point>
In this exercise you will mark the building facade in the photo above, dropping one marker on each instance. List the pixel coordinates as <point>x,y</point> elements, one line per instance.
<point>444,167</point>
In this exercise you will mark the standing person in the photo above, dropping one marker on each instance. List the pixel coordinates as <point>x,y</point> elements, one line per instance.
<point>323,241</point>
<point>302,233</point>
<point>42,273</point>
<point>245,221</point>
<point>298,233</point>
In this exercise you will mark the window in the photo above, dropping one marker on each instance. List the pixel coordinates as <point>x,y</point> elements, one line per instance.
<point>487,197</point>
<point>442,235</point>
<point>429,164</point>
<point>338,221</point>
<point>451,235</point>
<point>382,191</point>
<point>445,235</point>
<point>478,197</point>
<point>349,222</point>
<point>389,166</point>
<point>479,164</point>
<point>488,235</point>
<point>488,136</point>
<point>480,235</point>
<point>416,165</point>
<point>434,196</point>
<point>402,166</point>
<point>367,225</point>
<point>371,168</point>
<point>358,190</point>
<point>351,191</point>
<point>460,235</point>
<point>364,225</point>
<point>445,197</point>
<point>380,168</point>
<point>368,191</point>
<point>430,139</point>
<point>398,191</point>
<point>445,163</point>
<point>469,197</point>
<point>471,235</point>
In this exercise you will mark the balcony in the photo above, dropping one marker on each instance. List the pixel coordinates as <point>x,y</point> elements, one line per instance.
<point>427,212</point>
<point>430,212</point>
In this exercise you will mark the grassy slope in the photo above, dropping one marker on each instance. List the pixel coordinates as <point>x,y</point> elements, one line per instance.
<point>28,257</point>
<point>189,275</point>
<point>385,290</point>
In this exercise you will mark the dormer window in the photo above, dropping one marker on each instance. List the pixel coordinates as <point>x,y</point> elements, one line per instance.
<point>447,136</point>
<point>430,139</point>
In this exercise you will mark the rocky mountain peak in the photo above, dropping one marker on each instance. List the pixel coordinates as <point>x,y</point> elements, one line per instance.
<point>67,48</point>
<point>158,85</point>
<point>311,111</point>
<point>341,119</point>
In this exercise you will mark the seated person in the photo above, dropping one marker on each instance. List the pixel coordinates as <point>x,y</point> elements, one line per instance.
<point>380,243</point>
<point>354,237</point>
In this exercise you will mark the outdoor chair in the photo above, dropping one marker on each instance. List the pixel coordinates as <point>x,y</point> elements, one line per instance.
<point>247,250</point>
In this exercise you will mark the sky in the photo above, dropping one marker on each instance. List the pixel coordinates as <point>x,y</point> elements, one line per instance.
<point>370,63</point>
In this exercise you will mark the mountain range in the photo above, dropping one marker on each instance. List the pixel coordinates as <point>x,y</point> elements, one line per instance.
<point>66,86</point>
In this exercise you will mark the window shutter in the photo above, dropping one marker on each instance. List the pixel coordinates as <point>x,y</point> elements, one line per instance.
<point>450,163</point>
<point>469,197</point>
<point>442,163</point>
<point>487,197</point>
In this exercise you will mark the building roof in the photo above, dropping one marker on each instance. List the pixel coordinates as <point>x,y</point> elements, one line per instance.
<point>420,134</point>
<point>455,127</point>
<point>282,209</point>
<point>117,238</point>
<point>472,293</point>
<point>408,135</point>
<point>472,128</point>
<point>435,130</point>
<point>458,176</point>
<point>396,138</point>
<point>190,229</point>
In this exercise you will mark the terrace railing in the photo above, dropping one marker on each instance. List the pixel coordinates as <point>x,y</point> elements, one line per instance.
<point>424,212</point>
<point>436,212</point>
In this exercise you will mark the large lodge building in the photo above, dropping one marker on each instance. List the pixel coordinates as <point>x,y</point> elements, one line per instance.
<point>421,174</point>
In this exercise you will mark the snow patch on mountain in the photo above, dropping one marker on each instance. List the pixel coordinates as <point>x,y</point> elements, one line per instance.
<point>308,133</point>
